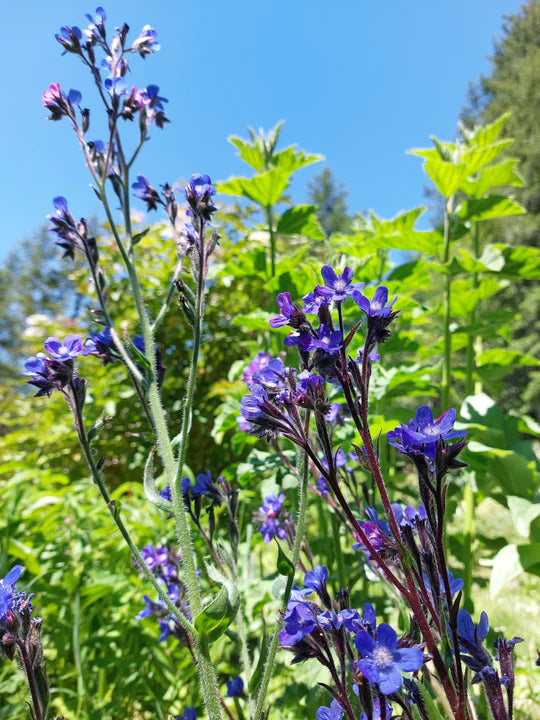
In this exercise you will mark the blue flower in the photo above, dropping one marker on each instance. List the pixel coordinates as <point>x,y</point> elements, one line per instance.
<point>199,193</point>
<point>96,30</point>
<point>339,285</point>
<point>70,349</point>
<point>315,299</point>
<point>116,86</point>
<point>59,104</point>
<point>203,485</point>
<point>456,584</point>
<point>256,366</point>
<point>471,638</point>
<point>188,714</point>
<point>379,306</point>
<point>334,712</point>
<point>235,687</point>
<point>420,435</point>
<point>327,340</point>
<point>146,43</point>
<point>382,662</point>
<point>270,512</point>
<point>139,343</point>
<point>299,620</point>
<point>98,343</point>
<point>145,192</point>
<point>411,516</point>
<point>288,309</point>
<point>377,711</point>
<point>70,39</point>
<point>7,589</point>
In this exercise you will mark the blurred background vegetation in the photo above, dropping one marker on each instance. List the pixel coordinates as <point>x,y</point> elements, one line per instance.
<point>105,664</point>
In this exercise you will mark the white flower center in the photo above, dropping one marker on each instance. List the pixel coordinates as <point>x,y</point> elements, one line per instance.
<point>383,657</point>
<point>432,430</point>
<point>339,285</point>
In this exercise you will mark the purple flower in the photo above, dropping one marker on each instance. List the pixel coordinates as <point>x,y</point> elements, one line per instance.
<point>256,366</point>
<point>471,638</point>
<point>145,192</point>
<point>116,86</point>
<point>70,39</point>
<point>146,43</point>
<point>382,662</point>
<point>288,309</point>
<point>314,299</point>
<point>420,435</point>
<point>316,579</point>
<point>270,512</point>
<point>59,104</point>
<point>99,343</point>
<point>70,349</point>
<point>301,338</point>
<point>308,381</point>
<point>199,193</point>
<point>339,285</point>
<point>235,687</point>
<point>411,516</point>
<point>299,620</point>
<point>456,584</point>
<point>377,307</point>
<point>334,712</point>
<point>332,414</point>
<point>188,714</point>
<point>96,30</point>
<point>203,485</point>
<point>328,340</point>
<point>7,589</point>
<point>373,355</point>
<point>139,343</point>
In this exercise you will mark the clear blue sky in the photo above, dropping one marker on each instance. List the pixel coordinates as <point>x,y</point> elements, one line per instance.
<point>355,80</point>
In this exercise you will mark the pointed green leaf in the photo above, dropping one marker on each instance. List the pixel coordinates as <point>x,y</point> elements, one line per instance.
<point>265,188</point>
<point>261,662</point>
<point>523,513</point>
<point>483,135</point>
<point>150,489</point>
<point>218,614</point>
<point>291,159</point>
<point>475,158</point>
<point>432,711</point>
<point>510,562</point>
<point>494,176</point>
<point>487,208</point>
<point>446,176</point>
<point>301,220</point>
<point>520,261</point>
<point>249,152</point>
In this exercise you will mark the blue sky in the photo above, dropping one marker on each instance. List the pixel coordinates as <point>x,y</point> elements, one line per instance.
<point>358,81</point>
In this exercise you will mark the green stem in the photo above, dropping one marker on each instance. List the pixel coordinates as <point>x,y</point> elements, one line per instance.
<point>471,339</point>
<point>115,514</point>
<point>81,690</point>
<point>272,239</point>
<point>447,353</point>
<point>303,475</point>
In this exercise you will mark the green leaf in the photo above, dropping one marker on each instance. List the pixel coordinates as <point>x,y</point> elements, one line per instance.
<point>521,261</point>
<point>291,159</point>
<point>487,208</point>
<point>510,562</point>
<point>139,236</point>
<point>301,220</point>
<point>249,152</point>
<point>150,489</point>
<point>491,260</point>
<point>494,176</point>
<point>483,135</point>
<point>218,614</point>
<point>432,710</point>
<point>446,176</point>
<point>523,513</point>
<point>261,662</point>
<point>505,356</point>
<point>265,188</point>
<point>475,158</point>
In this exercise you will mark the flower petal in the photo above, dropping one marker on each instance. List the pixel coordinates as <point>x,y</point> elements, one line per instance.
<point>409,659</point>
<point>13,575</point>
<point>328,275</point>
<point>387,636</point>
<point>389,680</point>
<point>365,644</point>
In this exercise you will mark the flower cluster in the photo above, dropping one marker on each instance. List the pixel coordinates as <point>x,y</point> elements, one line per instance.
<point>55,370</point>
<point>272,518</point>
<point>422,433</point>
<point>310,630</point>
<point>163,563</point>
<point>110,74</point>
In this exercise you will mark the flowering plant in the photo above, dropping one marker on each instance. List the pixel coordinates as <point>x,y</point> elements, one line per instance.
<point>337,331</point>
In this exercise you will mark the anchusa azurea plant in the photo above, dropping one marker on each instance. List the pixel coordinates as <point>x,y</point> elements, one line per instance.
<point>366,660</point>
<point>20,637</point>
<point>369,668</point>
